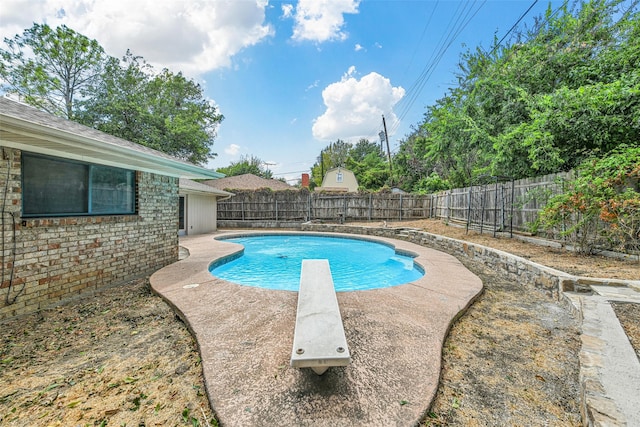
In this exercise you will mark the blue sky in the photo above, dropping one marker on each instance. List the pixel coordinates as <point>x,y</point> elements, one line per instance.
<point>292,76</point>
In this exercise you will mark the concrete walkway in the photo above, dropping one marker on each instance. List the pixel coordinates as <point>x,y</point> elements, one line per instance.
<point>609,366</point>
<point>245,335</point>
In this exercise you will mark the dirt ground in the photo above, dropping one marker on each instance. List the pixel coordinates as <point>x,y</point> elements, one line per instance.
<point>122,358</point>
<point>118,358</point>
<point>511,359</point>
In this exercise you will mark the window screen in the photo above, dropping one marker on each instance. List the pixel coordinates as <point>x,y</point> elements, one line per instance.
<point>111,190</point>
<point>57,187</point>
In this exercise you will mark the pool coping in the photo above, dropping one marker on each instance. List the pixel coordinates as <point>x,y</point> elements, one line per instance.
<point>244,335</point>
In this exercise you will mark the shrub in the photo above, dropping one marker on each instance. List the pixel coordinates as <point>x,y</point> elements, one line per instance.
<point>600,207</point>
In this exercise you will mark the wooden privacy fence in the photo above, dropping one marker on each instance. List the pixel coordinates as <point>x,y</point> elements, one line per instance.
<point>496,204</point>
<point>493,204</point>
<point>302,205</point>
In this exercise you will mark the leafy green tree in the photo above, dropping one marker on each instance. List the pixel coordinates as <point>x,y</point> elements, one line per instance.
<point>183,120</point>
<point>431,184</point>
<point>453,141</point>
<point>410,163</point>
<point>337,153</point>
<point>362,148</point>
<point>119,103</point>
<point>372,172</point>
<point>332,156</point>
<point>562,91</point>
<point>50,68</point>
<point>163,111</point>
<point>247,164</point>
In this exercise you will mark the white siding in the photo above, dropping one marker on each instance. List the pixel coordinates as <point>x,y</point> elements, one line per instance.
<point>201,214</point>
<point>340,178</point>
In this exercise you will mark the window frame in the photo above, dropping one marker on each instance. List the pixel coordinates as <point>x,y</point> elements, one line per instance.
<point>89,210</point>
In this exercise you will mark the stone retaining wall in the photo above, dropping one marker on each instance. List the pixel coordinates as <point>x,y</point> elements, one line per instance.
<point>552,282</point>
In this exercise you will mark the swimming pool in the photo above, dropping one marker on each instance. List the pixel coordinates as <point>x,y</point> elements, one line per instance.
<point>274,262</point>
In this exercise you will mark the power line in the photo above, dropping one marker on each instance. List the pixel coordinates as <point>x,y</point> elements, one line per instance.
<point>457,24</point>
<point>513,27</point>
<point>459,21</point>
<point>421,81</point>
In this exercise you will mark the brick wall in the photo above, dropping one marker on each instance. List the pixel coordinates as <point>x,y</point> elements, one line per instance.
<point>48,260</point>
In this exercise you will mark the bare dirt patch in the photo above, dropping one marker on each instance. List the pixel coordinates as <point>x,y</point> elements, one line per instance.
<point>629,316</point>
<point>511,359</point>
<point>120,357</point>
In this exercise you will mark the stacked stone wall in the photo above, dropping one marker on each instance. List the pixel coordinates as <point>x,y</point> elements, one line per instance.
<point>548,280</point>
<point>48,260</point>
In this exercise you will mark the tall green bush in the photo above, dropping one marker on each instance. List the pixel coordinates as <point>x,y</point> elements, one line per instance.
<point>600,207</point>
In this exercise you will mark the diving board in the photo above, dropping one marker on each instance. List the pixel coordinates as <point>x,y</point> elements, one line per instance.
<point>319,341</point>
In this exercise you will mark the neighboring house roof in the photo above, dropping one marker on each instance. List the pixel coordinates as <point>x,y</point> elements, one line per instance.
<point>247,181</point>
<point>195,187</point>
<point>26,128</point>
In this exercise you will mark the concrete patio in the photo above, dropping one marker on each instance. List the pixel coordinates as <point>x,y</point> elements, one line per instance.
<point>245,335</point>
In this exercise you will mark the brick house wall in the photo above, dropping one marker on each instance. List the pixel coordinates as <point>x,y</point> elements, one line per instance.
<point>47,260</point>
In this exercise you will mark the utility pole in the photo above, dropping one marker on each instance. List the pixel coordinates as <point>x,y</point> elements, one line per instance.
<point>268,172</point>
<point>386,137</point>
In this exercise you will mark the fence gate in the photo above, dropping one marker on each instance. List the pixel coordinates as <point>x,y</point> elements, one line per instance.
<point>490,205</point>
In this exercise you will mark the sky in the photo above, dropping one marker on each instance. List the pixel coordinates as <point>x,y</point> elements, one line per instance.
<point>290,77</point>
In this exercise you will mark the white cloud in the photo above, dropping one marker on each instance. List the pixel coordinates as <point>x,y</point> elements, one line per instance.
<point>322,20</point>
<point>193,37</point>
<point>287,10</point>
<point>354,108</point>
<point>232,149</point>
<point>14,20</point>
<point>358,47</point>
<point>312,85</point>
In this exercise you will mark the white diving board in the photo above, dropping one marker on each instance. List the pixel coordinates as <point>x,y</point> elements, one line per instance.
<point>318,341</point>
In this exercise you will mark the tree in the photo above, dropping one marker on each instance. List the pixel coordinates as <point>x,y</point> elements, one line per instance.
<point>50,68</point>
<point>119,101</point>
<point>184,122</point>
<point>164,111</point>
<point>563,91</point>
<point>332,156</point>
<point>368,163</point>
<point>372,172</point>
<point>410,163</point>
<point>363,148</point>
<point>364,159</point>
<point>247,164</point>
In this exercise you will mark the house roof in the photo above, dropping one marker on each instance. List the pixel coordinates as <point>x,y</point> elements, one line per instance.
<point>26,128</point>
<point>190,186</point>
<point>247,182</point>
<point>339,168</point>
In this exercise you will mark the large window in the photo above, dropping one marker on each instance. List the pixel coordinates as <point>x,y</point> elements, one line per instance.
<point>57,187</point>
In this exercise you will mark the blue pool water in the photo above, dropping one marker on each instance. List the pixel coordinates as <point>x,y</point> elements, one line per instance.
<point>274,262</point>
